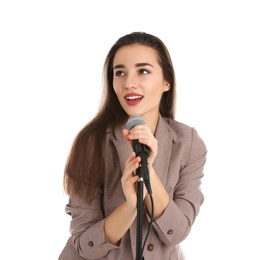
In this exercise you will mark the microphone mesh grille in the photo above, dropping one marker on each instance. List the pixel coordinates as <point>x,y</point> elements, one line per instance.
<point>133,121</point>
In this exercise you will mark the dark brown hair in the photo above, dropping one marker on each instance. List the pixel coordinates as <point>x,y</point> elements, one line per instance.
<point>84,169</point>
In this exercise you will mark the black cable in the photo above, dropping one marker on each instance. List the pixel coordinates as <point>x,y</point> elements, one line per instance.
<point>150,223</point>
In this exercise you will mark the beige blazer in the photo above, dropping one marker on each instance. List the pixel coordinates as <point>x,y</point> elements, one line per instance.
<point>179,164</point>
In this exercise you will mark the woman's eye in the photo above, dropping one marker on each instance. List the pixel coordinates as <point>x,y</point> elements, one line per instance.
<point>143,71</point>
<point>119,73</point>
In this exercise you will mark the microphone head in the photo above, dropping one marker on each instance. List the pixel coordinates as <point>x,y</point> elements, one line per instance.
<point>133,121</point>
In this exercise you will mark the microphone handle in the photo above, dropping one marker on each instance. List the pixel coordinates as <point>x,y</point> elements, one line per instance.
<point>142,151</point>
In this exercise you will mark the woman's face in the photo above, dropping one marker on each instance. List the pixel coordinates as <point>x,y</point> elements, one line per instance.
<point>138,81</point>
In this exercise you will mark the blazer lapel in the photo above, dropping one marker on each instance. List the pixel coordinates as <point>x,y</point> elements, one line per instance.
<point>122,147</point>
<point>164,136</point>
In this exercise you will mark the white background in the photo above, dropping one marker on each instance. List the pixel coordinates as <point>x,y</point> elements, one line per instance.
<point>51,58</point>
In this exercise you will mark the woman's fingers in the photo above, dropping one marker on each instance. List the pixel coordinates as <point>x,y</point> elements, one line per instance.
<point>145,136</point>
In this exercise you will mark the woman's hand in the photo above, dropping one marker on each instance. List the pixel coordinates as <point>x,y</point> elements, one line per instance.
<point>145,136</point>
<point>160,195</point>
<point>129,180</point>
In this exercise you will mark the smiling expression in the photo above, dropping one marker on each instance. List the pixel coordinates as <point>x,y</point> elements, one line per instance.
<point>138,80</point>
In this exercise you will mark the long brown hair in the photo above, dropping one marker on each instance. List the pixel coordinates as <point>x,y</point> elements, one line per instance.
<point>84,169</point>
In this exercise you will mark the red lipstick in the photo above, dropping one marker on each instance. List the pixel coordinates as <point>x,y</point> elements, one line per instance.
<point>133,99</point>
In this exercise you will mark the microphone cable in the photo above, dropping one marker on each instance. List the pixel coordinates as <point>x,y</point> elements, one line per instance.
<point>150,223</point>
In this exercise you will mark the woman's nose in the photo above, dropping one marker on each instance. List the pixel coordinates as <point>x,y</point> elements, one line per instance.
<point>131,82</point>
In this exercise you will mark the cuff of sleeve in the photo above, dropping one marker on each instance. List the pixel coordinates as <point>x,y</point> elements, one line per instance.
<point>94,241</point>
<point>172,226</point>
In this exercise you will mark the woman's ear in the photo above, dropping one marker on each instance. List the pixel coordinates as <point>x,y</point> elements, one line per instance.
<point>167,86</point>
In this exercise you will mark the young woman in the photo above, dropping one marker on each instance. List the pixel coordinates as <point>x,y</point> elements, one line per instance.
<point>99,175</point>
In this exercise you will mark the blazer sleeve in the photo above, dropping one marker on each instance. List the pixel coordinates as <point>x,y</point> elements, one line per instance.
<point>185,200</point>
<point>87,228</point>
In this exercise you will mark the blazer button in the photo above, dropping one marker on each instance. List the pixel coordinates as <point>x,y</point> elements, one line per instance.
<point>170,232</point>
<point>90,244</point>
<point>150,247</point>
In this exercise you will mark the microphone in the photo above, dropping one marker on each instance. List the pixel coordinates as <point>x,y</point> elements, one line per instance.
<point>141,150</point>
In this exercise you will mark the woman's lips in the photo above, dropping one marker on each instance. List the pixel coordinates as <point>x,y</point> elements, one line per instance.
<point>133,99</point>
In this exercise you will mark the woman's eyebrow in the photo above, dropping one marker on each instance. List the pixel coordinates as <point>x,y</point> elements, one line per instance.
<point>119,66</point>
<point>141,64</point>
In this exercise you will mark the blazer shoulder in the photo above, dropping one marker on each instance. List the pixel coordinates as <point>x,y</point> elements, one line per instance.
<point>188,140</point>
<point>179,129</point>
<point>185,133</point>
<point>177,125</point>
